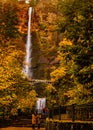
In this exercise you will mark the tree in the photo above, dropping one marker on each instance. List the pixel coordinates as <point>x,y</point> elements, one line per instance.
<point>75,25</point>
<point>8,20</point>
<point>61,75</point>
<point>15,90</point>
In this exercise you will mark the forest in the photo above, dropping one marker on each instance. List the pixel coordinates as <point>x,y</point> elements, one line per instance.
<point>62,51</point>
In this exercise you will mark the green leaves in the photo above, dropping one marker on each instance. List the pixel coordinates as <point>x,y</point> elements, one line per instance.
<point>75,26</point>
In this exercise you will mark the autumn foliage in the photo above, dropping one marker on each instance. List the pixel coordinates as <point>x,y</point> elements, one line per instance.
<point>62,51</point>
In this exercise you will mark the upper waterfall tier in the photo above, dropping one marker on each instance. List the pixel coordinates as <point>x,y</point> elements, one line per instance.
<point>28,71</point>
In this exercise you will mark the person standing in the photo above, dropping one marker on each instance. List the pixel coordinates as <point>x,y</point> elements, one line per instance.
<point>38,120</point>
<point>33,120</point>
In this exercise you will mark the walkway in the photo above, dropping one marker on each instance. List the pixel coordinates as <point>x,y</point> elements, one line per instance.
<point>20,128</point>
<point>23,124</point>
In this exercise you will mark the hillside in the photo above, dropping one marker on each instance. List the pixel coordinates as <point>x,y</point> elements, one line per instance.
<point>44,36</point>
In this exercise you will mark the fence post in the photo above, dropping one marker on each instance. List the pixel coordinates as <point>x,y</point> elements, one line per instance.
<point>73,112</point>
<point>59,112</point>
<point>3,113</point>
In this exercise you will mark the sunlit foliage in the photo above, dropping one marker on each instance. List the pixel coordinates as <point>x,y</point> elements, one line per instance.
<point>76,26</point>
<point>14,88</point>
<point>63,47</point>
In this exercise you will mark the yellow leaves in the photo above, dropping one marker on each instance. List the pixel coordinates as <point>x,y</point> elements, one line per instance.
<point>84,69</point>
<point>32,94</point>
<point>79,18</point>
<point>14,111</point>
<point>53,101</point>
<point>50,88</point>
<point>58,73</point>
<point>59,57</point>
<point>75,92</point>
<point>65,42</point>
<point>6,100</point>
<point>62,52</point>
<point>10,67</point>
<point>28,101</point>
<point>91,66</point>
<point>4,85</point>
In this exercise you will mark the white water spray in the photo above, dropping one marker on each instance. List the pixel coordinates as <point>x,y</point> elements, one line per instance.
<point>40,104</point>
<point>27,69</point>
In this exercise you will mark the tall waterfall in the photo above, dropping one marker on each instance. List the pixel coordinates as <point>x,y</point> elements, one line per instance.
<point>27,69</point>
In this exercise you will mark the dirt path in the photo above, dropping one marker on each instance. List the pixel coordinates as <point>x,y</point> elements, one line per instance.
<point>19,128</point>
<point>22,124</point>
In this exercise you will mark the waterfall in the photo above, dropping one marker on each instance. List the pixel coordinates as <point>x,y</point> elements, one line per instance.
<point>40,104</point>
<point>27,69</point>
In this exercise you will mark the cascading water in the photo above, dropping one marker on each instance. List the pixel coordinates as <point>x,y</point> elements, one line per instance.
<point>41,102</point>
<point>27,69</point>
